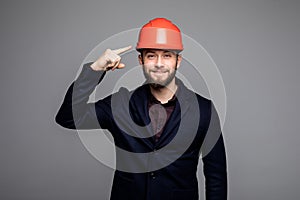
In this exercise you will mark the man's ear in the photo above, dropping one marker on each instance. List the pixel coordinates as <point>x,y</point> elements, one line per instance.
<point>140,59</point>
<point>179,59</point>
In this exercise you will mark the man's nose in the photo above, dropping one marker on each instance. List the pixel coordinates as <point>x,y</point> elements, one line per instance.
<point>159,62</point>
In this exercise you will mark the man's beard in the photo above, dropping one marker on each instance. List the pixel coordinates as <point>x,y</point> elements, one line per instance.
<point>158,84</point>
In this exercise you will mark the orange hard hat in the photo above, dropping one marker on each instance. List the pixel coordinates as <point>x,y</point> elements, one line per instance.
<point>160,33</point>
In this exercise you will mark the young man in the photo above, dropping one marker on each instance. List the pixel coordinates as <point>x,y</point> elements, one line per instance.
<point>162,124</point>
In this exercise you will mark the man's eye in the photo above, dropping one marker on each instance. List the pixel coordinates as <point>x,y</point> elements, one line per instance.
<point>150,56</point>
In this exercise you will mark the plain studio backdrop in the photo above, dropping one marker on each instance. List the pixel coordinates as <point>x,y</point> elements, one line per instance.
<point>255,45</point>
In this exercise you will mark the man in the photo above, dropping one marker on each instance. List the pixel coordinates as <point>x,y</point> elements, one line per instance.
<point>159,129</point>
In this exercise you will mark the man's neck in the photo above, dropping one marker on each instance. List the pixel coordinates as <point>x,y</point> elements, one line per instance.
<point>164,94</point>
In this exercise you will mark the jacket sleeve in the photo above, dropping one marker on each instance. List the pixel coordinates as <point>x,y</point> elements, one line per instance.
<point>214,161</point>
<point>75,111</point>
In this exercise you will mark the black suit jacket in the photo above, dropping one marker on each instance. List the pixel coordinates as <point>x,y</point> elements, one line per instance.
<point>146,169</point>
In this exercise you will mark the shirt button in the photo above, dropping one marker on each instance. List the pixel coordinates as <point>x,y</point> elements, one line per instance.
<point>152,175</point>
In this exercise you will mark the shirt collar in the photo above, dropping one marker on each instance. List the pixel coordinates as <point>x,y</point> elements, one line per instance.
<point>152,100</point>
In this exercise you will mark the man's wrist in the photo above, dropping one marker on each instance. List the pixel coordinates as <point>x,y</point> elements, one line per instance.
<point>95,67</point>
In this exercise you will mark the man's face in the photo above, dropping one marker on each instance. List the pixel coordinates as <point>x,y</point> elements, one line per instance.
<point>159,66</point>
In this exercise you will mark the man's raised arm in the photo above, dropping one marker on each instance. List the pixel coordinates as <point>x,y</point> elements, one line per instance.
<point>75,112</point>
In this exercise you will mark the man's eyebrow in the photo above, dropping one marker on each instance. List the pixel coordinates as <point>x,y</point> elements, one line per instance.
<point>151,51</point>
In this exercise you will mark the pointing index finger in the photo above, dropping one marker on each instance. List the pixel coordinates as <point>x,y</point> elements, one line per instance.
<point>122,50</point>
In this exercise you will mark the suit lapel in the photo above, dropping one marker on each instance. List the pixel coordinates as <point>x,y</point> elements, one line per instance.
<point>140,108</point>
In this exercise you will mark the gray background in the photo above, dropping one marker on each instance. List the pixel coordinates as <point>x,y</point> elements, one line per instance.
<point>255,44</point>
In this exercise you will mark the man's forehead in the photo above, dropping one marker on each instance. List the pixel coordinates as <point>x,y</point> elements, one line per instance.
<point>159,51</point>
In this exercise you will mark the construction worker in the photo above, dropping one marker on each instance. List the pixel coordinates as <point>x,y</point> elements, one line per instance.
<point>162,124</point>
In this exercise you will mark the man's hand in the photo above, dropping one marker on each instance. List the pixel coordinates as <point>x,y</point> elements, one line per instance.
<point>110,60</point>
